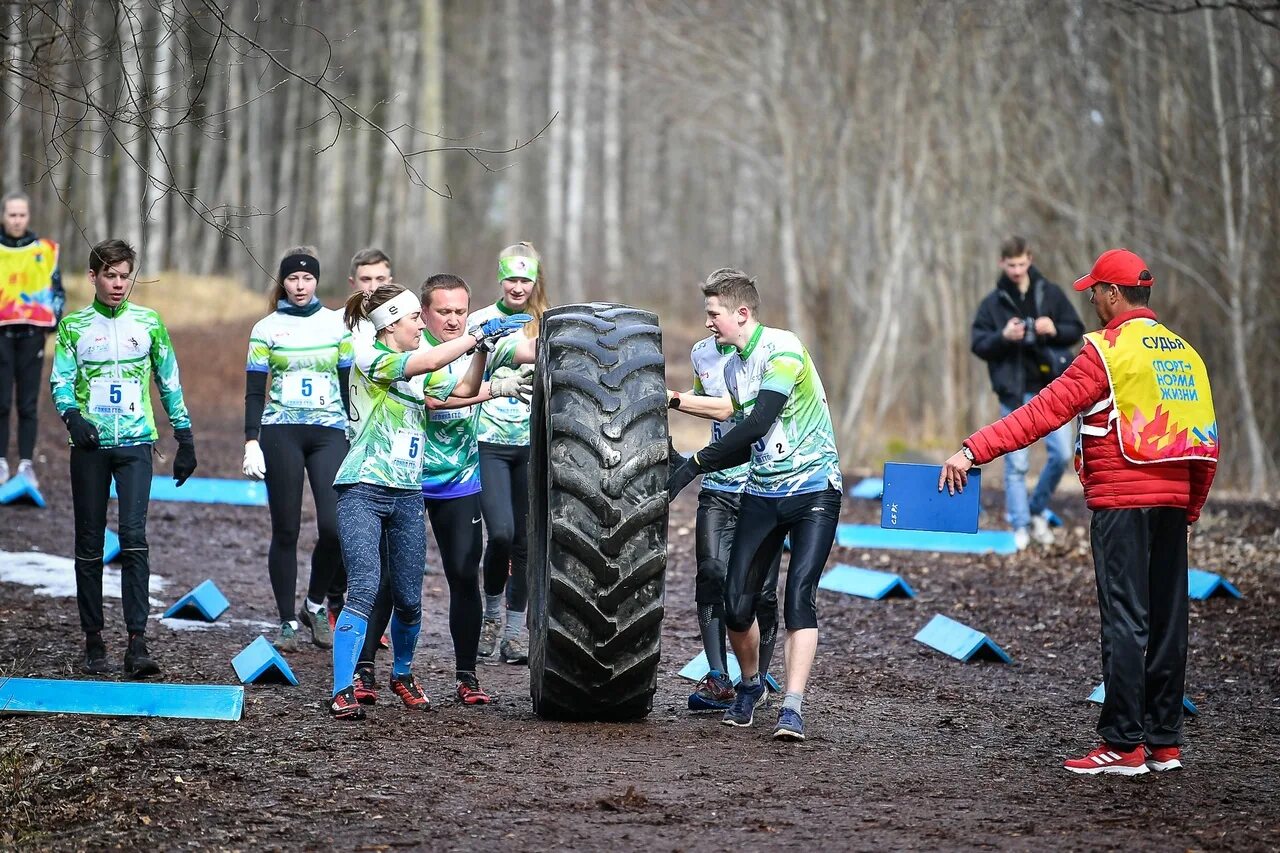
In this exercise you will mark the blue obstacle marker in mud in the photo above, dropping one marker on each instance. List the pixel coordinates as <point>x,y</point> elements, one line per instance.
<point>866,583</point>
<point>261,663</point>
<point>207,490</point>
<point>911,500</point>
<point>960,641</point>
<point>870,488</point>
<point>1202,585</point>
<point>982,542</point>
<point>697,669</point>
<point>20,490</point>
<point>110,547</point>
<point>120,699</point>
<point>1100,693</point>
<point>206,602</point>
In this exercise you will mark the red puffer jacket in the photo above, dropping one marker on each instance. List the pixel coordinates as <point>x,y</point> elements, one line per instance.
<point>1110,481</point>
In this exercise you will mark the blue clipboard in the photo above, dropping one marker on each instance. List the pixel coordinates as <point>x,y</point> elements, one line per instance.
<point>912,501</point>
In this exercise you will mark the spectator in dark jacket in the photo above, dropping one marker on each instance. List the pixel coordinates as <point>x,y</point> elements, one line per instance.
<point>1026,331</point>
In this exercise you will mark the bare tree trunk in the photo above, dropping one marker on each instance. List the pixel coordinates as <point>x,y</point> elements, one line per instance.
<point>287,203</point>
<point>612,161</point>
<point>516,120</point>
<point>129,30</point>
<point>556,136</point>
<point>431,119</point>
<point>575,201</point>
<point>12,96</point>
<point>159,176</point>
<point>392,179</point>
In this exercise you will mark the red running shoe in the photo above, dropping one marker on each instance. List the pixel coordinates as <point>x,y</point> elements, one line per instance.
<point>1109,759</point>
<point>345,707</point>
<point>406,687</point>
<point>1162,758</point>
<point>366,685</point>
<point>471,693</point>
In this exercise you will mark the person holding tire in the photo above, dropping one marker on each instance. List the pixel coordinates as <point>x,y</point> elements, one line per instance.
<point>103,364</point>
<point>296,428</point>
<point>504,467</point>
<point>379,483</point>
<point>783,430</point>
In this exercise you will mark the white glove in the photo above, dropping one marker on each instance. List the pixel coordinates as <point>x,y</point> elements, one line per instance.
<point>255,465</point>
<point>508,382</point>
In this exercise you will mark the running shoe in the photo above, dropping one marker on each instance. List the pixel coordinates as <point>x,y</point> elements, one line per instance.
<point>1040,532</point>
<point>4,470</point>
<point>713,693</point>
<point>138,662</point>
<point>790,725</point>
<point>286,638</point>
<point>95,655</point>
<point>1109,759</point>
<point>26,469</point>
<point>743,709</point>
<point>1162,758</point>
<point>345,707</point>
<point>366,685</point>
<point>410,693</point>
<point>514,651</point>
<point>488,638</point>
<point>318,621</point>
<point>469,692</point>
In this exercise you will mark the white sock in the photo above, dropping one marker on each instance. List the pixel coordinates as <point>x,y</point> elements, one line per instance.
<point>493,606</point>
<point>314,606</point>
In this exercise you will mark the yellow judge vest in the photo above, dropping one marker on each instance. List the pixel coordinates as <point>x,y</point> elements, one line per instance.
<point>26,283</point>
<point>1162,406</point>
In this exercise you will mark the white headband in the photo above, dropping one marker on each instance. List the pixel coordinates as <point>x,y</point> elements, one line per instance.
<point>402,305</point>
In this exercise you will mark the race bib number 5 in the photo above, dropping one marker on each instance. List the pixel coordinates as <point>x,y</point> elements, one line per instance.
<point>304,389</point>
<point>113,396</point>
<point>407,448</point>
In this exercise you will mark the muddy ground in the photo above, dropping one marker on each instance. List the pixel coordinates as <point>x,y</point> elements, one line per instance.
<point>907,748</point>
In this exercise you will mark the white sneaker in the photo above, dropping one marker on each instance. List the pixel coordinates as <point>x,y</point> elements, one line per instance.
<point>1021,538</point>
<point>4,470</point>
<point>1040,531</point>
<point>26,469</point>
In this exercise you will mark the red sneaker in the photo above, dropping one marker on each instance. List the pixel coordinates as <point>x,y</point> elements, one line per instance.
<point>1162,758</point>
<point>1108,759</point>
<point>366,685</point>
<point>406,687</point>
<point>471,693</point>
<point>345,707</point>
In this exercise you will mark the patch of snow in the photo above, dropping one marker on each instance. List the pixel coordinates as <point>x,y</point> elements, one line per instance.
<point>48,574</point>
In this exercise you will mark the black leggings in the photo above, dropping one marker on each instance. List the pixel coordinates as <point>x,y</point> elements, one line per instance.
<point>713,543</point>
<point>763,524</point>
<point>290,450</point>
<point>455,523</point>
<point>91,474</point>
<point>504,473</point>
<point>21,360</point>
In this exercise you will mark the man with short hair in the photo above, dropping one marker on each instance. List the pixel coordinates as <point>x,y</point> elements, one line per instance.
<point>783,430</point>
<point>31,302</point>
<point>370,269</point>
<point>106,356</point>
<point>1149,450</point>
<point>1024,330</point>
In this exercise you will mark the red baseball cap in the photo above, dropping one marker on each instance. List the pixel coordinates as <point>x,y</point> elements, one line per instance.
<point>1117,266</point>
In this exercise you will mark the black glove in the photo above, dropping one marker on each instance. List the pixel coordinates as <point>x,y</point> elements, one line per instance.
<point>682,470</point>
<point>84,435</point>
<point>184,464</point>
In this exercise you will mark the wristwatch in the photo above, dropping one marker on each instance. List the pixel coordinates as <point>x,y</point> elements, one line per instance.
<point>968,454</point>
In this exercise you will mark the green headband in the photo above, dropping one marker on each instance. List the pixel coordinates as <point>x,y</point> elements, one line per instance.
<point>517,267</point>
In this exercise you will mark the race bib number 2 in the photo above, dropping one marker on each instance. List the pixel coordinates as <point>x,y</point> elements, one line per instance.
<point>304,389</point>
<point>114,396</point>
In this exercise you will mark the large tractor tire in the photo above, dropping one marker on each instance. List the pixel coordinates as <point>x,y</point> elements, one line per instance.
<point>597,513</point>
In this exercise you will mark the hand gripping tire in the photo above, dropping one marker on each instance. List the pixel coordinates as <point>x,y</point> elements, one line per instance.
<point>597,513</point>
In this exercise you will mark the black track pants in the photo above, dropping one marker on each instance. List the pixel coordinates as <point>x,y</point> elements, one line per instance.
<point>21,360</point>
<point>713,543</point>
<point>504,475</point>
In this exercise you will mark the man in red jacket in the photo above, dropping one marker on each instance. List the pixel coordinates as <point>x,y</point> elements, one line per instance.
<point>1149,447</point>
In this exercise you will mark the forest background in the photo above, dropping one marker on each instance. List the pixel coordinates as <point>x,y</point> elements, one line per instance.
<point>862,159</point>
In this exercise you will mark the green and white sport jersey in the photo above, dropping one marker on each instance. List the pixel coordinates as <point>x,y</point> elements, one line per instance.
<point>798,455</point>
<point>103,365</point>
<point>388,419</point>
<point>708,380</point>
<point>303,355</point>
<point>503,420</point>
<point>452,465</point>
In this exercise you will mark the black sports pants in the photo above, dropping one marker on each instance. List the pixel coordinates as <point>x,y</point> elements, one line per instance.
<point>21,360</point>
<point>504,473</point>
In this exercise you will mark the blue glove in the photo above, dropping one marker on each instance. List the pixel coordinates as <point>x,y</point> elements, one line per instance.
<point>492,330</point>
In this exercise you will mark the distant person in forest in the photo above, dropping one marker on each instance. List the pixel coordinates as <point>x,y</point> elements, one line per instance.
<point>31,301</point>
<point>1149,450</point>
<point>1025,330</point>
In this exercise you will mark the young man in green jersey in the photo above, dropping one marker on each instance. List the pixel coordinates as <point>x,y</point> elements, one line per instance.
<point>783,430</point>
<point>106,356</point>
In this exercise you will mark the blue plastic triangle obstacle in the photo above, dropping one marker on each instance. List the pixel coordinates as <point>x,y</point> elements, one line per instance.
<point>869,488</point>
<point>120,699</point>
<point>1202,585</point>
<point>206,602</point>
<point>696,670</point>
<point>207,490</point>
<point>960,641</point>
<point>20,490</point>
<point>261,663</point>
<point>110,547</point>
<point>1100,693</point>
<point>866,583</point>
<point>982,542</point>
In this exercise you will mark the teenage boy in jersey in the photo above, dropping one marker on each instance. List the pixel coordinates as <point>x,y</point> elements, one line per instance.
<point>1149,450</point>
<point>106,357</point>
<point>31,300</point>
<point>718,503</point>
<point>783,429</point>
<point>1025,330</point>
